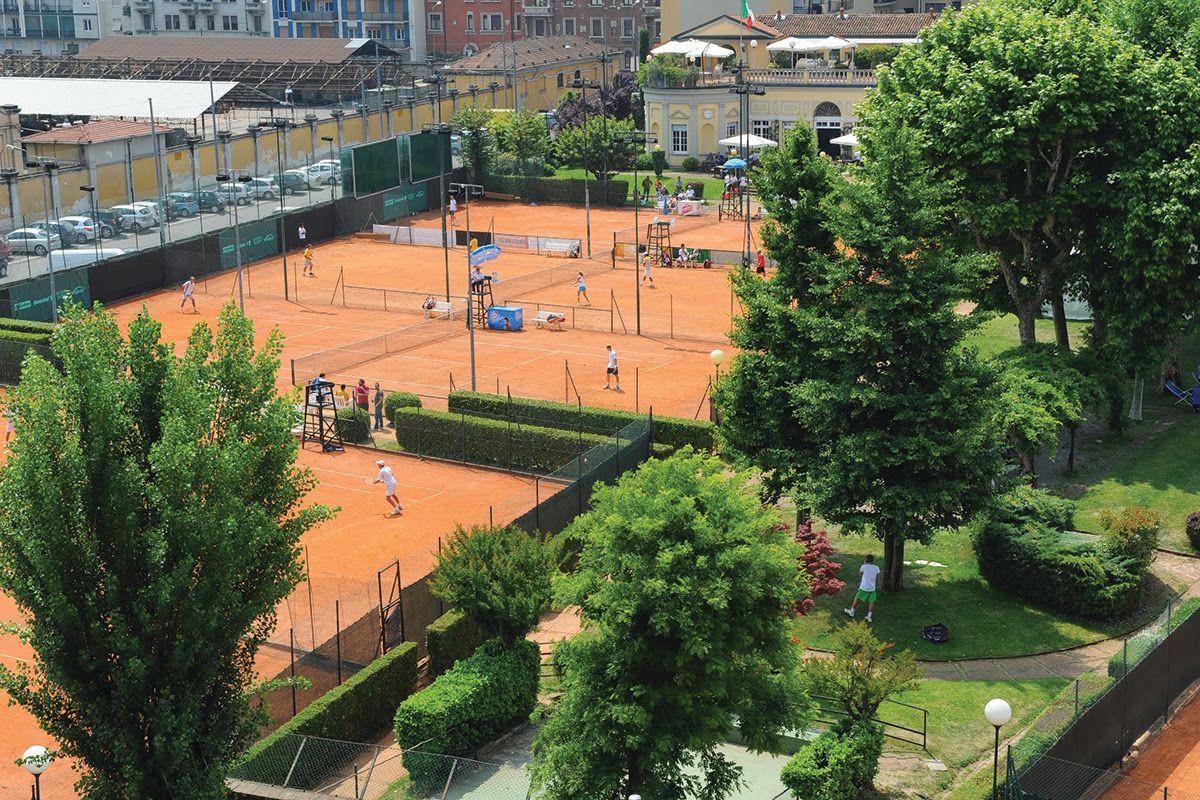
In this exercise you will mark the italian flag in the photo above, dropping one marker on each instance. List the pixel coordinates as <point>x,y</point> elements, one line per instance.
<point>747,14</point>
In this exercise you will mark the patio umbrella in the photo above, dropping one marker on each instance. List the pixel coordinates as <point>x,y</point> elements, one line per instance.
<point>674,48</point>
<point>849,140</point>
<point>834,43</point>
<point>481,255</point>
<point>707,50</point>
<point>748,140</point>
<point>734,163</point>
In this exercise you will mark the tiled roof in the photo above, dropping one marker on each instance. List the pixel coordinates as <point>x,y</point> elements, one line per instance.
<point>855,25</point>
<point>100,131</point>
<point>232,48</point>
<point>536,52</point>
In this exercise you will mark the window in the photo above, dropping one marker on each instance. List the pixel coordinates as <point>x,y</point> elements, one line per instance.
<point>147,22</point>
<point>539,28</point>
<point>471,21</point>
<point>679,139</point>
<point>761,127</point>
<point>578,76</point>
<point>171,22</point>
<point>658,28</point>
<point>569,26</point>
<point>191,22</point>
<point>597,27</point>
<point>561,81</point>
<point>731,130</point>
<point>229,22</point>
<point>599,3</point>
<point>257,23</point>
<point>373,33</point>
<point>212,23</point>
<point>435,23</point>
<point>517,23</point>
<point>87,24</point>
<point>491,23</point>
<point>627,27</point>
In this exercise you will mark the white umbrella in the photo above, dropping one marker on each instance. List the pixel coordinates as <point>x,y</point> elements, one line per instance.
<point>707,50</point>
<point>849,140</point>
<point>749,140</point>
<point>674,48</point>
<point>834,43</point>
<point>791,45</point>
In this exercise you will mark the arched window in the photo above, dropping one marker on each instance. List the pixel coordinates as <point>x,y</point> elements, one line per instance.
<point>561,80</point>
<point>827,110</point>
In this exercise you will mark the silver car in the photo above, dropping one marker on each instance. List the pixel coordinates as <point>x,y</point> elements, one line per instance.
<point>33,240</point>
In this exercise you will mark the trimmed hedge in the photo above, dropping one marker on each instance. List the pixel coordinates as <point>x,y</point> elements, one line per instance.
<point>357,711</point>
<point>1022,550</point>
<point>838,764</point>
<point>557,190</point>
<point>490,442</point>
<point>480,698</point>
<point>449,639</point>
<point>395,400</point>
<point>354,425</point>
<point>26,326</point>
<point>15,344</point>
<point>673,432</point>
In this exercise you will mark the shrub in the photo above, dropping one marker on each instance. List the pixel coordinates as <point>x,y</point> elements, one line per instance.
<point>690,164</point>
<point>658,161</point>
<point>478,699</point>
<point>395,400</point>
<point>838,764</point>
<point>15,345</point>
<point>1131,535</point>
<point>491,442</point>
<point>1026,503</point>
<point>26,326</point>
<point>506,164</point>
<point>498,577</point>
<point>673,432</point>
<point>556,190</point>
<point>874,56</point>
<point>449,639</point>
<point>357,711</point>
<point>354,425</point>
<point>1193,529</point>
<point>643,162</point>
<point>861,675</point>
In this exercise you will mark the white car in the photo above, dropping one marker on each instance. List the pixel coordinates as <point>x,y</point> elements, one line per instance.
<point>152,207</point>
<point>263,188</point>
<point>137,217</point>
<point>322,173</point>
<point>232,192</point>
<point>32,240</point>
<point>85,228</point>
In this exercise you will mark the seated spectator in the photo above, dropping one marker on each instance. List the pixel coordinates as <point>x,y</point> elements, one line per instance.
<point>341,398</point>
<point>690,194</point>
<point>666,259</point>
<point>686,257</point>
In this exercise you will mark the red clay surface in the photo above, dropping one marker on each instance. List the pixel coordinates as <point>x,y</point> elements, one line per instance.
<point>1173,761</point>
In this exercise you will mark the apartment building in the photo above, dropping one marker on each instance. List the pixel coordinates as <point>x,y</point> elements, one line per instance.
<point>399,24</point>
<point>50,27</point>
<point>193,18</point>
<point>681,15</point>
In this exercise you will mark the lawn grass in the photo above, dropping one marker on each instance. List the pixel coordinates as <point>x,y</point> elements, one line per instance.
<point>999,333</point>
<point>712,186</point>
<point>984,622</point>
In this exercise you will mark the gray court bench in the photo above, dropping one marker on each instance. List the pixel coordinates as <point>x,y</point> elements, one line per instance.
<point>441,309</point>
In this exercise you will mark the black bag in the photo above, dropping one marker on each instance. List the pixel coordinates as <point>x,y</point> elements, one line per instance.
<point>938,634</point>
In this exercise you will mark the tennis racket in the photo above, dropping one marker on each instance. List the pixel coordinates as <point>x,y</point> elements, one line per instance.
<point>368,481</point>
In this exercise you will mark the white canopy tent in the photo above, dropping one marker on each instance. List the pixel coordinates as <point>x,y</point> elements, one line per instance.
<point>796,44</point>
<point>673,48</point>
<point>847,140</point>
<point>749,141</point>
<point>692,48</point>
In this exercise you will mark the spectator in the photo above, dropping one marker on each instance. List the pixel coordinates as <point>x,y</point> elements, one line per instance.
<point>378,406</point>
<point>362,395</point>
<point>761,268</point>
<point>678,185</point>
<point>341,398</point>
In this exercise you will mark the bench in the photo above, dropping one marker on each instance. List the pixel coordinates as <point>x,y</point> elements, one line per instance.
<point>550,319</point>
<point>499,196</point>
<point>441,309</point>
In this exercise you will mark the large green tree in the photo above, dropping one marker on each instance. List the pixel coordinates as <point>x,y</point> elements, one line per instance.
<point>524,134</point>
<point>851,389</point>
<point>474,124</point>
<point>150,516</point>
<point>596,143</point>
<point>687,587</point>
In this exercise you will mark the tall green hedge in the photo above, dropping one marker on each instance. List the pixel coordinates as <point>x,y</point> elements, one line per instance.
<point>354,424</point>
<point>17,338</point>
<point>491,442</point>
<point>557,190</point>
<point>396,400</point>
<point>448,639</point>
<point>357,711</point>
<point>673,432</point>
<point>480,698</point>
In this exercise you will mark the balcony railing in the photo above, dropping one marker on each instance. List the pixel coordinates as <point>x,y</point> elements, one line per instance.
<point>767,77</point>
<point>538,11</point>
<point>314,16</point>
<point>393,17</point>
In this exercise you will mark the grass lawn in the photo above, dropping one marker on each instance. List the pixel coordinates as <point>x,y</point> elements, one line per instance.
<point>712,186</point>
<point>984,622</point>
<point>1000,333</point>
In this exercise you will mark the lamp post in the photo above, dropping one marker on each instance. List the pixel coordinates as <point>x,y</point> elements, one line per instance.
<point>744,89</point>
<point>587,196</point>
<point>237,239</point>
<point>35,761</point>
<point>439,130</point>
<point>466,189</point>
<point>48,165</point>
<point>91,190</point>
<point>281,127</point>
<point>718,358</point>
<point>332,187</point>
<point>998,713</point>
<point>641,138</point>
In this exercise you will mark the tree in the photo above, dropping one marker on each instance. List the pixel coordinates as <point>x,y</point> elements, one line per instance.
<point>851,389</point>
<point>499,578</point>
<point>1016,107</point>
<point>615,101</point>
<point>687,588</point>
<point>525,135</point>
<point>861,674</point>
<point>587,145</point>
<point>822,573</point>
<point>478,140</point>
<point>150,518</point>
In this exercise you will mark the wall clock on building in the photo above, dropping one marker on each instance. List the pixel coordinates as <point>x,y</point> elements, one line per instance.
<point>708,114</point>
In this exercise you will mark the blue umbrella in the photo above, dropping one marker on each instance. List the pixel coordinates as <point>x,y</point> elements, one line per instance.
<point>482,255</point>
<point>734,163</point>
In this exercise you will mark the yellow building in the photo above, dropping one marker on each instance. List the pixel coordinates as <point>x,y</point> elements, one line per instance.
<point>539,70</point>
<point>689,115</point>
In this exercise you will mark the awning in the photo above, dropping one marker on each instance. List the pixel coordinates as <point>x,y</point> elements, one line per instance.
<point>106,98</point>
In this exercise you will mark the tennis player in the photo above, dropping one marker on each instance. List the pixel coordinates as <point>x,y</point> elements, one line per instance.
<point>389,487</point>
<point>189,290</point>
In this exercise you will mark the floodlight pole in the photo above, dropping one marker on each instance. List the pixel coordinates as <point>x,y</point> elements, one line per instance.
<point>744,88</point>
<point>642,138</point>
<point>466,189</point>
<point>48,166</point>
<point>281,125</point>
<point>587,196</point>
<point>440,80</point>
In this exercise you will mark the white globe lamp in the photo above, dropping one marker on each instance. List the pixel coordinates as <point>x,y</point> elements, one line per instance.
<point>998,713</point>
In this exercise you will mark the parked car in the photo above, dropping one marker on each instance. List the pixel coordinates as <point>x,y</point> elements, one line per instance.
<point>263,188</point>
<point>63,230</point>
<point>85,228</point>
<point>65,259</point>
<point>292,182</point>
<point>209,200</point>
<point>235,193</point>
<point>111,222</point>
<point>137,218</point>
<point>32,240</point>
<point>185,204</point>
<point>153,208</point>
<point>322,173</point>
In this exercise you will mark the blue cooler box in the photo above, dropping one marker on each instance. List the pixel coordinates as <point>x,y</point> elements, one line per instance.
<point>498,316</point>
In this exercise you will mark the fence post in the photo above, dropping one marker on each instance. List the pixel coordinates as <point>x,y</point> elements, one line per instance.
<point>537,503</point>
<point>636,384</point>
<point>292,665</point>
<point>1076,698</point>
<point>566,372</point>
<point>491,521</point>
<point>337,624</point>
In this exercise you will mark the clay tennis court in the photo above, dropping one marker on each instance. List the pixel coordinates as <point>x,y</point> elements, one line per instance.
<point>1172,761</point>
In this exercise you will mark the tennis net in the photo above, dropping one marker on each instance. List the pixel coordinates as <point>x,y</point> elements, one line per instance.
<point>511,289</point>
<point>343,357</point>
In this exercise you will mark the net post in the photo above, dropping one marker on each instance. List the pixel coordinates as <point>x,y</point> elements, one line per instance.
<point>614,250</point>
<point>293,364</point>
<point>611,303</point>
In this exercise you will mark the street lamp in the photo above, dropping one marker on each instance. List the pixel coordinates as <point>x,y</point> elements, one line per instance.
<point>48,165</point>
<point>91,190</point>
<point>718,358</point>
<point>587,197</point>
<point>333,187</point>
<point>237,239</point>
<point>640,138</point>
<point>439,130</point>
<point>998,713</point>
<point>35,761</point>
<point>466,189</point>
<point>281,127</point>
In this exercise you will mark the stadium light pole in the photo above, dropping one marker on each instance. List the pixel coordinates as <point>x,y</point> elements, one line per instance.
<point>329,141</point>
<point>281,125</point>
<point>466,189</point>
<point>47,166</point>
<point>744,89</point>
<point>237,238</point>
<point>439,80</point>
<point>640,138</point>
<point>587,196</point>
<point>91,190</point>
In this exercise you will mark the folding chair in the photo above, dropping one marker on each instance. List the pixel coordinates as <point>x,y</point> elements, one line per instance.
<point>1182,396</point>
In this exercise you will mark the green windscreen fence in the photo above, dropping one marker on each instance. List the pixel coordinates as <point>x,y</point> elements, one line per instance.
<point>32,300</point>
<point>423,149</point>
<point>404,202</point>
<point>258,240</point>
<point>376,167</point>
